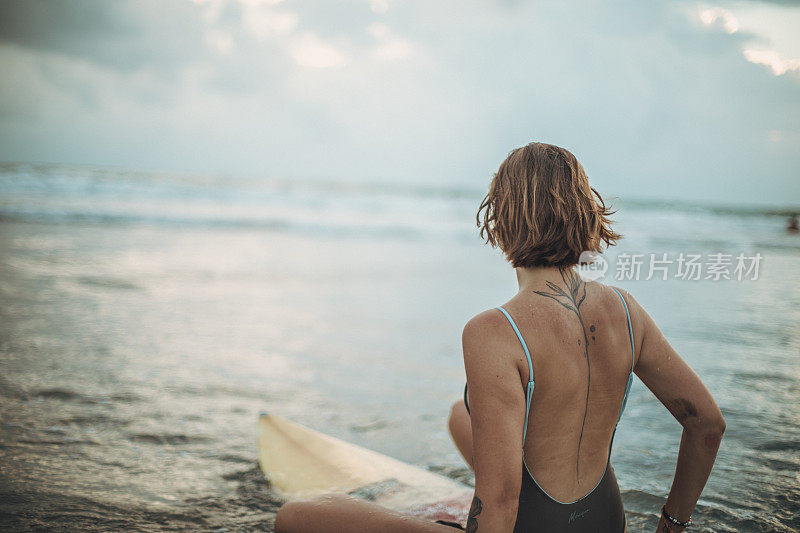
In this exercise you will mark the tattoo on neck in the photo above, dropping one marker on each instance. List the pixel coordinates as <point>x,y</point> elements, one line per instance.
<point>474,511</point>
<point>571,296</point>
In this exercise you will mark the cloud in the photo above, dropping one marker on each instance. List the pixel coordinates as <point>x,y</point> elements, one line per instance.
<point>773,60</point>
<point>725,19</point>
<point>122,36</point>
<point>790,3</point>
<point>379,6</point>
<point>308,50</point>
<point>653,101</point>
<point>389,45</point>
<point>718,15</point>
<point>264,22</point>
<point>220,40</point>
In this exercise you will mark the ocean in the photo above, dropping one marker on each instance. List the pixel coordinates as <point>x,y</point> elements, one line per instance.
<point>146,319</point>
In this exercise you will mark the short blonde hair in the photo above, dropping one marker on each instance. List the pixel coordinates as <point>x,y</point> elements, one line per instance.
<point>541,211</point>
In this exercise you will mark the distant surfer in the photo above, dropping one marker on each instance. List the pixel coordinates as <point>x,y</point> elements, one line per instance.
<point>792,224</point>
<point>541,455</point>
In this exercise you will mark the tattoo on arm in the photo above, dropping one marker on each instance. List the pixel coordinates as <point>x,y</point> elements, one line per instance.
<point>683,409</point>
<point>474,511</point>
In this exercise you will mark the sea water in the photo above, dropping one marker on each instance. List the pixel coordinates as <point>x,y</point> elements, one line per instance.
<point>146,319</point>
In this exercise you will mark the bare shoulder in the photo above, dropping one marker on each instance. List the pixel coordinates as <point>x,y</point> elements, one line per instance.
<point>482,332</point>
<point>493,369</point>
<point>640,320</point>
<point>484,325</point>
<point>625,294</point>
<point>633,306</point>
<point>484,322</point>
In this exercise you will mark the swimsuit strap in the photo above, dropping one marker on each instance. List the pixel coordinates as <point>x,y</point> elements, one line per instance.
<point>529,389</point>
<point>633,355</point>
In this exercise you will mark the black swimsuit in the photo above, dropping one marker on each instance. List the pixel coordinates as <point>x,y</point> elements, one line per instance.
<point>599,511</point>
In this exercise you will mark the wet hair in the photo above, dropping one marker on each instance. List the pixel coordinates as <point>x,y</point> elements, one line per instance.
<point>541,211</point>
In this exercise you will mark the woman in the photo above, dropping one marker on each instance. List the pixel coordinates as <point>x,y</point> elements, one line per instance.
<point>548,374</point>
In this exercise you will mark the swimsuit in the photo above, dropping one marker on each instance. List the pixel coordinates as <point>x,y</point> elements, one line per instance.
<point>599,511</point>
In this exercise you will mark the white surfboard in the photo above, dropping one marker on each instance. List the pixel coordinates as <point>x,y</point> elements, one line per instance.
<point>301,463</point>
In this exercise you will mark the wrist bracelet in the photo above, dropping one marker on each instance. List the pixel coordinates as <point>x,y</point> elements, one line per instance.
<point>674,521</point>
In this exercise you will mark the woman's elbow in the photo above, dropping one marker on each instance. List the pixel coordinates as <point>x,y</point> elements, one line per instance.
<point>709,428</point>
<point>721,425</point>
<point>714,432</point>
<point>714,422</point>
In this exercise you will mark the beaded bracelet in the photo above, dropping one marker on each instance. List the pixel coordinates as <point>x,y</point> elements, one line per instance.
<point>674,521</point>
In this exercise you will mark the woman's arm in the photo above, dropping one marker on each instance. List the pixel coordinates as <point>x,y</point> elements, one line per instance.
<point>682,392</point>
<point>497,406</point>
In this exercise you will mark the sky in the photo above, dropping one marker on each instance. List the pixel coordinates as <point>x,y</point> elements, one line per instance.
<point>664,99</point>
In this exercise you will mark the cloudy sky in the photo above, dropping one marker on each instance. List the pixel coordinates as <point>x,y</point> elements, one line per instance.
<point>658,99</point>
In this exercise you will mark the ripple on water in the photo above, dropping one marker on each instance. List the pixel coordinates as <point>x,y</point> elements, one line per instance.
<point>57,393</point>
<point>107,282</point>
<point>779,446</point>
<point>168,439</point>
<point>67,395</point>
<point>230,458</point>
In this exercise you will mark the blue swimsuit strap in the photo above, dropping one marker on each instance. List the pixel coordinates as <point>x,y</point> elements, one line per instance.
<point>633,355</point>
<point>529,389</point>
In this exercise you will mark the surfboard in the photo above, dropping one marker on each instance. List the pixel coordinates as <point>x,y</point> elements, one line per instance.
<point>300,462</point>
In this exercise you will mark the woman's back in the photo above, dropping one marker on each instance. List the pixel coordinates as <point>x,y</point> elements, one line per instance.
<point>582,358</point>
